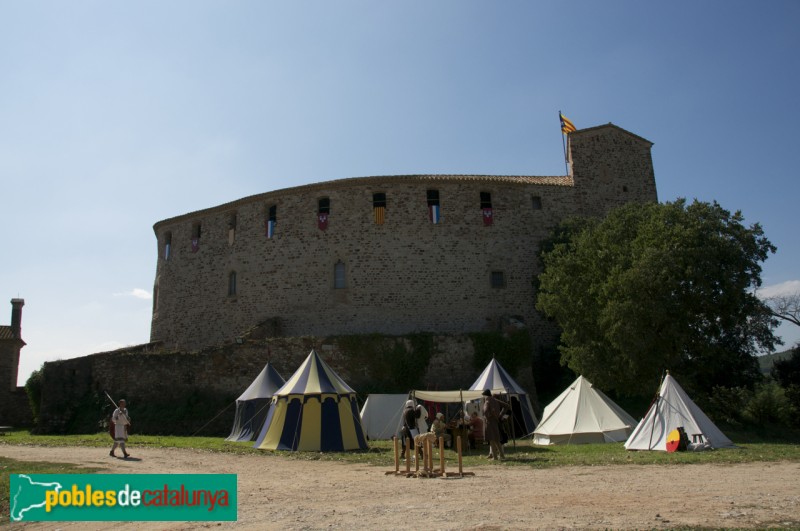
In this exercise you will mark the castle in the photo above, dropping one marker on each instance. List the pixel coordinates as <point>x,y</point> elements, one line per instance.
<point>396,280</point>
<point>390,255</point>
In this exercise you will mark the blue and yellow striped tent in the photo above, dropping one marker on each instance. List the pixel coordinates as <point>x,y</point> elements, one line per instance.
<point>314,411</point>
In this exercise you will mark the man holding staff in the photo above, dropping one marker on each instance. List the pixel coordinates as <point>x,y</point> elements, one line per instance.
<point>121,421</point>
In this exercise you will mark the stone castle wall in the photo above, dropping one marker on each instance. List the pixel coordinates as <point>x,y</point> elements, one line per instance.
<point>403,276</point>
<point>415,292</point>
<point>193,393</point>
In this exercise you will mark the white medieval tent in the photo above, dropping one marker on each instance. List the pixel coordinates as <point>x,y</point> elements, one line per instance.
<point>494,377</point>
<point>583,414</point>
<point>315,410</point>
<point>252,406</point>
<point>671,409</point>
<point>381,415</point>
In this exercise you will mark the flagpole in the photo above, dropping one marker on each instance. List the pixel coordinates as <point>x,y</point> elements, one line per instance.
<point>564,145</point>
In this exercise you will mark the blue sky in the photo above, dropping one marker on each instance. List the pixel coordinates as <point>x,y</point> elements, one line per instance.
<point>115,115</point>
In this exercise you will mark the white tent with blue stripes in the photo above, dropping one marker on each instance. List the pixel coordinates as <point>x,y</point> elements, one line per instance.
<point>252,405</point>
<point>315,410</point>
<point>495,377</point>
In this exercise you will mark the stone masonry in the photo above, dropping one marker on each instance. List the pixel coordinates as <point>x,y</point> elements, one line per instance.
<point>403,276</point>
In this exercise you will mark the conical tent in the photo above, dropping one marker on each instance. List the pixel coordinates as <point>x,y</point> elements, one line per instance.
<point>583,414</point>
<point>315,410</point>
<point>673,409</point>
<point>494,377</point>
<point>252,406</point>
<point>381,415</point>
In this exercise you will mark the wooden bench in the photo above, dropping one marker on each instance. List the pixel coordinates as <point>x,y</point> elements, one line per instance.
<point>5,429</point>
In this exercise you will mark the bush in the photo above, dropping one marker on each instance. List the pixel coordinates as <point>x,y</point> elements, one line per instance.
<point>769,405</point>
<point>728,404</point>
<point>33,388</point>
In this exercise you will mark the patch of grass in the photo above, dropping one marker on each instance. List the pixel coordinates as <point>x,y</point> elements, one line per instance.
<point>750,449</point>
<point>12,466</point>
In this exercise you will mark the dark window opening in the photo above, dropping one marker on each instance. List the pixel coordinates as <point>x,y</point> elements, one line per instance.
<point>536,202</point>
<point>232,283</point>
<point>339,275</point>
<point>272,220</point>
<point>324,206</point>
<point>498,279</point>
<point>434,209</point>
<point>486,200</point>
<point>231,228</point>
<point>195,237</point>
<point>433,197</point>
<point>167,245</point>
<point>379,207</point>
<point>155,296</point>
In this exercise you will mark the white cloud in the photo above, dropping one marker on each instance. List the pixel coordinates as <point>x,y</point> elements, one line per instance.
<point>136,292</point>
<point>784,288</point>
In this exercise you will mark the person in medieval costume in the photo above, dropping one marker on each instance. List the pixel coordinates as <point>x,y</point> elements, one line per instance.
<point>422,419</point>
<point>491,412</point>
<point>409,428</point>
<point>121,420</point>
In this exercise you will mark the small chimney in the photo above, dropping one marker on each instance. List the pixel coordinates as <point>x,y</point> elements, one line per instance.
<point>16,317</point>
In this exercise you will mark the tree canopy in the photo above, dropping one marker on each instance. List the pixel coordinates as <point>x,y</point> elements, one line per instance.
<point>656,287</point>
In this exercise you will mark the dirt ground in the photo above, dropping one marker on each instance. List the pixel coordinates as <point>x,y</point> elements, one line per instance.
<point>277,493</point>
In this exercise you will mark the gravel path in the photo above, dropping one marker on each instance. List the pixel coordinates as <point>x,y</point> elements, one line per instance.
<point>277,493</point>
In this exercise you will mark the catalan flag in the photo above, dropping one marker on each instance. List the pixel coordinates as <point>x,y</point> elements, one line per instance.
<point>379,214</point>
<point>566,125</point>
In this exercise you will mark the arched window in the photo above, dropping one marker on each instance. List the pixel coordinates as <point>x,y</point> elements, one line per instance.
<point>232,284</point>
<point>167,244</point>
<point>339,275</point>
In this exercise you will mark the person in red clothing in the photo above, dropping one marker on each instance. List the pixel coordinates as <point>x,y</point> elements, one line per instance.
<point>475,431</point>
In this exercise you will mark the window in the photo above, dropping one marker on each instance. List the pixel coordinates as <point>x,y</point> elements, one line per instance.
<point>339,275</point>
<point>231,227</point>
<point>379,207</point>
<point>167,244</point>
<point>232,284</point>
<point>155,294</point>
<point>434,211</point>
<point>536,202</point>
<point>486,208</point>
<point>195,237</point>
<point>498,279</point>
<point>272,220</point>
<point>323,211</point>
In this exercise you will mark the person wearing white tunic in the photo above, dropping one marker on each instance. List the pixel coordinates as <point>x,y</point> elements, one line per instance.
<point>422,419</point>
<point>121,421</point>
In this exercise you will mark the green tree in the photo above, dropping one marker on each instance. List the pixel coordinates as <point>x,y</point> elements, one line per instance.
<point>659,286</point>
<point>787,374</point>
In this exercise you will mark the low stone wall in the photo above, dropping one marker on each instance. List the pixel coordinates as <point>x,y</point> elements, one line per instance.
<point>184,393</point>
<point>15,409</point>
